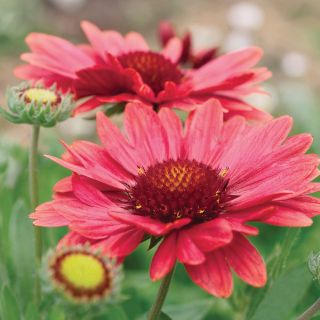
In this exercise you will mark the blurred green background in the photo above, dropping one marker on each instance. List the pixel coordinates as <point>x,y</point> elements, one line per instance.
<point>289,33</point>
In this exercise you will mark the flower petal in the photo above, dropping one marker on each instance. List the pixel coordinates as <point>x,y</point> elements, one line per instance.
<point>213,275</point>
<point>149,225</point>
<point>203,129</point>
<point>246,261</point>
<point>187,251</point>
<point>173,126</point>
<point>211,235</point>
<point>146,133</point>
<point>225,66</point>
<point>103,42</point>
<point>173,49</point>
<point>116,144</point>
<point>45,215</point>
<point>164,258</point>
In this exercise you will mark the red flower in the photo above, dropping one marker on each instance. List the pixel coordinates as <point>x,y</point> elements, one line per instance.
<point>116,69</point>
<point>196,60</point>
<point>194,188</point>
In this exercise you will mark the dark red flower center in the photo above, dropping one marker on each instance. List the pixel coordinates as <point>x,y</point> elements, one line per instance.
<point>153,68</point>
<point>176,189</point>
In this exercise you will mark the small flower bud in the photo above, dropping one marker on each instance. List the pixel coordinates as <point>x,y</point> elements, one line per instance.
<point>314,265</point>
<point>37,105</point>
<point>84,275</point>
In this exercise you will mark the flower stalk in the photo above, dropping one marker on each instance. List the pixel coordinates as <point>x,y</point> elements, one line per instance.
<point>161,296</point>
<point>34,199</point>
<point>311,311</point>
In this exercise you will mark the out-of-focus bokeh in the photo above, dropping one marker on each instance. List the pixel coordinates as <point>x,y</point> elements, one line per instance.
<point>288,31</point>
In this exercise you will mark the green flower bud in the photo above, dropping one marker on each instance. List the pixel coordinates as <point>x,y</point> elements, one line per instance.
<point>37,105</point>
<point>314,265</point>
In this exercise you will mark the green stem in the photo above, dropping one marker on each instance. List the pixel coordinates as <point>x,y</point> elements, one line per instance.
<point>288,243</point>
<point>34,197</point>
<point>312,310</point>
<point>162,293</point>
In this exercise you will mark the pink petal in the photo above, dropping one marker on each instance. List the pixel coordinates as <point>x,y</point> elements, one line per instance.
<point>103,42</point>
<point>246,261</point>
<point>136,42</point>
<point>286,217</point>
<point>166,32</point>
<point>164,258</point>
<point>146,133</point>
<point>187,251</point>
<point>204,56</point>
<point>211,235</point>
<point>116,144</point>
<point>173,50</point>
<point>306,204</point>
<point>246,152</point>
<point>46,216</point>
<point>58,52</point>
<point>203,130</point>
<point>242,228</point>
<point>30,72</point>
<point>89,194</point>
<point>63,185</point>
<point>173,95</point>
<point>72,238</point>
<point>225,66</point>
<point>88,105</point>
<point>94,162</point>
<point>124,243</point>
<point>149,225</point>
<point>173,126</point>
<point>236,106</point>
<point>105,81</point>
<point>251,214</point>
<point>213,275</point>
<point>284,180</point>
<point>73,209</point>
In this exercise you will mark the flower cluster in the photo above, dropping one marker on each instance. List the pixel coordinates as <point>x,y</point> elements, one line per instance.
<point>192,187</point>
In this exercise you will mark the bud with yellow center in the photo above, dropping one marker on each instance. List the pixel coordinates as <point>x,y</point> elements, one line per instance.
<point>83,274</point>
<point>37,105</point>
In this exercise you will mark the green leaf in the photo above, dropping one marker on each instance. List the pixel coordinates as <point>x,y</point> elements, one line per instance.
<point>286,292</point>
<point>32,312</point>
<point>196,310</point>
<point>9,305</point>
<point>56,314</point>
<point>115,109</point>
<point>164,316</point>
<point>154,241</point>
<point>116,313</point>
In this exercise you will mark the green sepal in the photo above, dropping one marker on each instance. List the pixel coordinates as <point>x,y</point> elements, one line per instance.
<point>35,113</point>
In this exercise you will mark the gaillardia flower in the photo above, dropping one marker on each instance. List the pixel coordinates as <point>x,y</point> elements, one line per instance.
<point>115,69</point>
<point>83,274</point>
<point>194,59</point>
<point>35,104</point>
<point>193,188</point>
